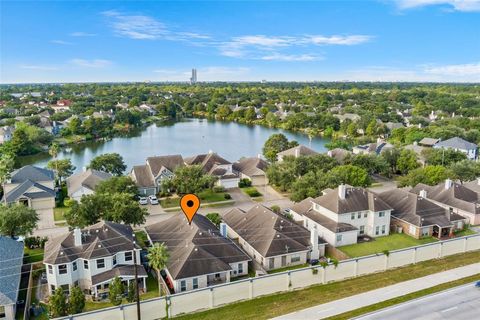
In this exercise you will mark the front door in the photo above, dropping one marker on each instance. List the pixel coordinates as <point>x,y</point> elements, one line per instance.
<point>284,261</point>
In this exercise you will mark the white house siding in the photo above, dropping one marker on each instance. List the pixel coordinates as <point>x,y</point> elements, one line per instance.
<point>9,312</point>
<point>348,237</point>
<point>235,267</point>
<point>78,194</point>
<point>228,183</point>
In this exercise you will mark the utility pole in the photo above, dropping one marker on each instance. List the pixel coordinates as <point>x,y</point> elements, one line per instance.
<point>137,293</point>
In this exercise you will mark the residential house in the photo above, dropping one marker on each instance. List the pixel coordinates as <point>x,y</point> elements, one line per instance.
<point>372,148</point>
<point>253,168</point>
<point>216,166</point>
<point>418,149</point>
<point>150,109</point>
<point>428,142</point>
<point>394,125</point>
<point>339,154</point>
<point>149,177</point>
<point>473,185</point>
<point>272,240</point>
<point>62,105</point>
<point>344,214</point>
<point>11,260</point>
<point>199,255</point>
<point>34,187</point>
<point>459,144</point>
<point>347,116</point>
<point>84,183</point>
<point>453,196</point>
<point>92,257</point>
<point>296,152</point>
<point>416,216</point>
<point>6,134</point>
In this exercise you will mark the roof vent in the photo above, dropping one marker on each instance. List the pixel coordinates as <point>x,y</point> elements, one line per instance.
<point>99,245</point>
<point>278,236</point>
<point>97,230</point>
<point>200,233</point>
<point>196,249</point>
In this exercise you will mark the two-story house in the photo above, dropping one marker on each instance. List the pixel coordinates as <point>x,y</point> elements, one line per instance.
<point>35,188</point>
<point>92,257</point>
<point>149,177</point>
<point>459,144</point>
<point>344,214</point>
<point>6,134</point>
<point>270,239</point>
<point>84,183</point>
<point>199,255</point>
<point>218,167</point>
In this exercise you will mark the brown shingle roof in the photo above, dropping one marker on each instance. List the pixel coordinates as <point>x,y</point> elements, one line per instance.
<point>251,166</point>
<point>119,271</point>
<point>170,162</point>
<point>89,179</point>
<point>142,175</point>
<point>300,150</point>
<point>269,233</point>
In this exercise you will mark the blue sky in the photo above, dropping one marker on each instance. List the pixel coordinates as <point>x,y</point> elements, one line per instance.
<point>89,41</point>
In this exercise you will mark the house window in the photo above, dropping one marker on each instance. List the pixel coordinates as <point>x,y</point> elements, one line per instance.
<point>377,230</point>
<point>240,268</point>
<point>359,215</point>
<point>2,312</point>
<point>50,269</point>
<point>195,283</point>
<point>114,260</point>
<point>100,263</point>
<point>295,258</point>
<point>62,269</point>
<point>74,265</point>
<point>365,214</point>
<point>128,256</point>
<point>271,263</point>
<point>381,214</point>
<point>362,229</point>
<point>383,229</point>
<point>85,264</point>
<point>339,237</point>
<point>217,275</point>
<point>183,285</point>
<point>425,232</point>
<point>353,216</point>
<point>52,287</point>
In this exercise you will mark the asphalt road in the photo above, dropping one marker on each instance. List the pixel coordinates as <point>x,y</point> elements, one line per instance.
<point>458,303</point>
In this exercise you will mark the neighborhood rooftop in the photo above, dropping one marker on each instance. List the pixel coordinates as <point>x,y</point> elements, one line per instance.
<point>11,253</point>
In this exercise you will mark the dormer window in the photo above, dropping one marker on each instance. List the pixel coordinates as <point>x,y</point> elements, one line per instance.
<point>100,263</point>
<point>128,256</point>
<point>62,269</point>
<point>381,214</point>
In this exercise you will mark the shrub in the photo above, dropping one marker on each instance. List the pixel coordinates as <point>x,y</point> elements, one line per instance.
<point>218,189</point>
<point>314,271</point>
<point>214,217</point>
<point>227,196</point>
<point>244,183</point>
<point>253,193</point>
<point>68,202</point>
<point>275,209</point>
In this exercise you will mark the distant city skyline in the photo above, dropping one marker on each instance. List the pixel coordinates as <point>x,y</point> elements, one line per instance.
<point>106,41</point>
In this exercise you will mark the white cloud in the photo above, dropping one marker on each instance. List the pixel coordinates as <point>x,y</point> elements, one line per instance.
<point>82,34</point>
<point>338,40</point>
<point>65,43</point>
<point>458,5</point>
<point>291,57</point>
<point>38,67</point>
<point>471,69</point>
<point>95,63</point>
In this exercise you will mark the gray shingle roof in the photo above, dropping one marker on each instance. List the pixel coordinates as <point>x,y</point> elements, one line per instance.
<point>23,190</point>
<point>251,166</point>
<point>269,233</point>
<point>119,271</point>
<point>195,249</point>
<point>456,143</point>
<point>428,141</point>
<point>356,199</point>
<point>11,260</point>
<point>170,162</point>
<point>88,179</point>
<point>143,176</point>
<point>102,239</point>
<point>300,150</point>
<point>32,173</point>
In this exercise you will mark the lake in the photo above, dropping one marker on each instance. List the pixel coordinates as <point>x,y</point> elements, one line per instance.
<point>189,137</point>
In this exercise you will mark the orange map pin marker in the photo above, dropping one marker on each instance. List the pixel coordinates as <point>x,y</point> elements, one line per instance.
<point>190,204</point>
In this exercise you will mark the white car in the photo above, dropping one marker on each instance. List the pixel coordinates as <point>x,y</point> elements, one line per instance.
<point>143,201</point>
<point>153,199</point>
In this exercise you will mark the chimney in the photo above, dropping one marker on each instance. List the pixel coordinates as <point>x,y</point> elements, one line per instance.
<point>379,140</point>
<point>448,184</point>
<point>297,152</point>
<point>223,229</point>
<point>315,255</point>
<point>342,190</point>
<point>77,236</point>
<point>415,143</point>
<point>423,193</point>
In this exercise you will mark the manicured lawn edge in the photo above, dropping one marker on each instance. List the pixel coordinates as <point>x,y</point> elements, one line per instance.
<point>405,298</point>
<point>282,303</point>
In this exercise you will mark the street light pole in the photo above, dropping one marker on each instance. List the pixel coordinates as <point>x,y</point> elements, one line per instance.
<point>137,293</point>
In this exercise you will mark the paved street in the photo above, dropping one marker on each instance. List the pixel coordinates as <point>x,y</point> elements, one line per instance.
<point>458,303</point>
<point>378,295</point>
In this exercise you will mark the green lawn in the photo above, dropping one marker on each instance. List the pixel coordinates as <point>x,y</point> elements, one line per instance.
<point>289,268</point>
<point>252,192</point>
<point>33,255</point>
<point>283,303</point>
<point>464,232</point>
<point>380,244</point>
<point>58,213</point>
<point>206,196</point>
<point>142,239</point>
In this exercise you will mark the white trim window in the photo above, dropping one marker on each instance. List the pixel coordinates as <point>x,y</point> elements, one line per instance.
<point>50,269</point>
<point>377,230</point>
<point>339,238</point>
<point>128,256</point>
<point>62,269</point>
<point>295,258</point>
<point>85,264</point>
<point>381,214</point>
<point>240,268</point>
<point>100,263</point>
<point>384,229</point>
<point>195,283</point>
<point>74,265</point>
<point>183,285</point>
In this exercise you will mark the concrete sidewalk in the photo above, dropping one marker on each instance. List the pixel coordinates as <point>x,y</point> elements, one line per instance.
<point>378,295</point>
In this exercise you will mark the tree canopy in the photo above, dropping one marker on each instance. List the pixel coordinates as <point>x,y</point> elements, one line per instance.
<point>109,162</point>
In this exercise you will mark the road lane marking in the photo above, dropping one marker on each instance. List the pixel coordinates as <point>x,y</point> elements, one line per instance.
<point>449,309</point>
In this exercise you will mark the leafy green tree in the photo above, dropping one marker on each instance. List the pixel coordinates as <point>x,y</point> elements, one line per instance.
<point>157,259</point>
<point>430,175</point>
<point>349,174</point>
<point>63,168</point>
<point>276,143</point>
<point>442,157</point>
<point>17,220</point>
<point>465,170</point>
<point>57,304</point>
<point>189,179</point>
<point>116,290</point>
<point>109,162</point>
<point>7,163</point>
<point>407,161</point>
<point>391,157</point>
<point>370,162</point>
<point>122,184</point>
<point>132,292</point>
<point>372,128</point>
<point>76,301</point>
<point>214,217</point>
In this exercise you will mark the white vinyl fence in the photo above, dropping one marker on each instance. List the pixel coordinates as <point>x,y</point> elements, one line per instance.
<point>211,297</point>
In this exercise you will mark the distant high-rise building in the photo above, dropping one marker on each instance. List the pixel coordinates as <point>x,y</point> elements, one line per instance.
<point>193,78</point>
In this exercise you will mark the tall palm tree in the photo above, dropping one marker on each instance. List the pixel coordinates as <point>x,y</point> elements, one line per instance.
<point>157,259</point>
<point>53,151</point>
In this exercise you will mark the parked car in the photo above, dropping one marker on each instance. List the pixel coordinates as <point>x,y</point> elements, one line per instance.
<point>143,201</point>
<point>153,199</point>
<point>477,284</point>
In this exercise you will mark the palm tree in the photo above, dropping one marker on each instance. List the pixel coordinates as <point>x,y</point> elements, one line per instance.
<point>53,151</point>
<point>157,259</point>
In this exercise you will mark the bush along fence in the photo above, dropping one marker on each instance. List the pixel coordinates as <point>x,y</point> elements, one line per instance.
<point>215,296</point>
